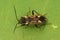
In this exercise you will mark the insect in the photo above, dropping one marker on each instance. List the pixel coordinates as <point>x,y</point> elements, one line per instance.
<point>35,19</point>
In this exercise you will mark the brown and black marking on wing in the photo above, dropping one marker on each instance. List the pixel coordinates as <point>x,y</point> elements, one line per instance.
<point>33,19</point>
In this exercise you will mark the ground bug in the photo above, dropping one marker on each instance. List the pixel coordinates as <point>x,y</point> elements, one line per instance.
<point>35,19</point>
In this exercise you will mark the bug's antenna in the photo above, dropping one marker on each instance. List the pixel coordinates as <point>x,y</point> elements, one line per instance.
<point>15,13</point>
<point>35,12</point>
<point>15,27</point>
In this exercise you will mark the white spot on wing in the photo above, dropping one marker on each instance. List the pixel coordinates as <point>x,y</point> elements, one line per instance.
<point>39,21</point>
<point>26,23</point>
<point>38,16</point>
<point>25,16</point>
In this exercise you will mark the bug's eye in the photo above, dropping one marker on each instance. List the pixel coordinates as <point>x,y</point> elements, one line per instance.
<point>42,18</point>
<point>22,20</point>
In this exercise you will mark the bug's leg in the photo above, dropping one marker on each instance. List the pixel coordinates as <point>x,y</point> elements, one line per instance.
<point>36,25</point>
<point>22,24</point>
<point>32,12</point>
<point>49,23</point>
<point>15,27</point>
<point>35,12</point>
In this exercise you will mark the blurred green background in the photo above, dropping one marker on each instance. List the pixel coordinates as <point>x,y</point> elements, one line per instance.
<point>8,19</point>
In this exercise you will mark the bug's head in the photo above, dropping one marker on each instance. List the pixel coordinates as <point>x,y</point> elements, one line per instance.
<point>42,18</point>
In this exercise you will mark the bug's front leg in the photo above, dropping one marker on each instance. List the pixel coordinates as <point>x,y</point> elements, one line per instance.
<point>35,12</point>
<point>32,12</point>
